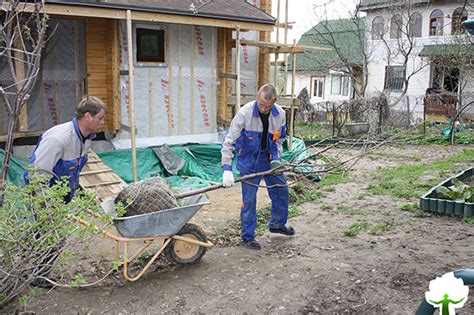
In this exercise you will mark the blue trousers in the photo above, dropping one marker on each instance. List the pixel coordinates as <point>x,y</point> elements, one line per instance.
<point>278,195</point>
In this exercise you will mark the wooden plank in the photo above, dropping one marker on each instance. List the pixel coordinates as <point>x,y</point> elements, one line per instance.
<point>113,104</point>
<point>150,102</point>
<point>227,75</point>
<point>19,135</point>
<point>97,176</point>
<point>96,171</point>
<point>221,68</point>
<point>283,102</point>
<point>180,81</point>
<point>213,80</point>
<point>170,78</point>
<point>193,50</point>
<point>113,182</point>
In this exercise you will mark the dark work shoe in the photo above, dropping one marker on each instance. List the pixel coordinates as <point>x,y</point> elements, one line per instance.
<point>252,244</point>
<point>41,283</point>
<point>289,231</point>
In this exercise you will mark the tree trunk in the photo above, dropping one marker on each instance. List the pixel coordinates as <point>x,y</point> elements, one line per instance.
<point>8,150</point>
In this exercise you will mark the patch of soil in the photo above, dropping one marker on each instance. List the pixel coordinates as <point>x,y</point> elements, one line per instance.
<point>320,270</point>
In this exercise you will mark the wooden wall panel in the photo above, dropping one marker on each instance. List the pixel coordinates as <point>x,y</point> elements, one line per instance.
<point>264,59</point>
<point>102,65</point>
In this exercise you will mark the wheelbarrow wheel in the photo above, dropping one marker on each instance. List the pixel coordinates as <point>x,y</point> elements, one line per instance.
<point>184,253</point>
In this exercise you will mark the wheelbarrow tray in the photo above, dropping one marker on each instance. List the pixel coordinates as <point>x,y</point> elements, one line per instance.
<point>161,223</point>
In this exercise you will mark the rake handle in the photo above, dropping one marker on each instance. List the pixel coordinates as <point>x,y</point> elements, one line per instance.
<point>218,186</point>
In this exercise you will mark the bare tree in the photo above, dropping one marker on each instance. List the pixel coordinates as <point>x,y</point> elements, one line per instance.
<point>349,53</point>
<point>400,47</point>
<point>22,38</point>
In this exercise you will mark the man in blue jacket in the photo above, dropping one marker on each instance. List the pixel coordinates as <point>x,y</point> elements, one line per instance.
<point>256,135</point>
<point>62,149</point>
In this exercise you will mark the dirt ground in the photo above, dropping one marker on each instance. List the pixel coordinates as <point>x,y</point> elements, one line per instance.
<point>320,270</point>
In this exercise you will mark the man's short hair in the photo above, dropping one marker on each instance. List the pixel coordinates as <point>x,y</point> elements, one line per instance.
<point>89,104</point>
<point>268,92</point>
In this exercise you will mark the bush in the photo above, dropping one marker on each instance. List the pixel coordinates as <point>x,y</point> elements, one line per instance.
<point>35,227</point>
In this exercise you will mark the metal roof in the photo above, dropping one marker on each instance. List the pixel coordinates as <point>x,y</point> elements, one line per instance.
<point>375,4</point>
<point>344,33</point>
<point>447,50</point>
<point>236,10</point>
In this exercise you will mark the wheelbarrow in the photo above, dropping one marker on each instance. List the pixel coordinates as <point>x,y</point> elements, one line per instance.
<point>183,243</point>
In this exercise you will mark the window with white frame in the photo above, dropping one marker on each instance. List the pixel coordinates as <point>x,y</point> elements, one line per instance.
<point>340,85</point>
<point>378,27</point>
<point>415,25</point>
<point>436,23</point>
<point>317,87</point>
<point>394,78</point>
<point>396,26</point>
<point>459,16</point>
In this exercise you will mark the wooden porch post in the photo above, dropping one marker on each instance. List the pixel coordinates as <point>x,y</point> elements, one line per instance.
<point>131,109</point>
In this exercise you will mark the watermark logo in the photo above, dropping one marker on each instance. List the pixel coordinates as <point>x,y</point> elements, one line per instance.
<point>447,293</point>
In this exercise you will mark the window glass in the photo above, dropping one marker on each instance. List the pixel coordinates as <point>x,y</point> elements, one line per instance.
<point>394,78</point>
<point>345,86</point>
<point>436,23</point>
<point>336,84</point>
<point>396,26</point>
<point>150,45</point>
<point>459,16</point>
<point>320,89</point>
<point>317,87</point>
<point>415,25</point>
<point>378,27</point>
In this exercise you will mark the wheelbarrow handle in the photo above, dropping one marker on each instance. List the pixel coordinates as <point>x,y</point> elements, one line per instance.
<point>240,179</point>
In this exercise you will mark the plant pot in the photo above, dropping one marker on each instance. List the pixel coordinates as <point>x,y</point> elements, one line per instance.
<point>441,206</point>
<point>459,208</point>
<point>449,207</point>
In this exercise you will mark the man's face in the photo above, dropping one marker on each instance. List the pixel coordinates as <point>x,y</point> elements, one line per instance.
<point>264,106</point>
<point>95,123</point>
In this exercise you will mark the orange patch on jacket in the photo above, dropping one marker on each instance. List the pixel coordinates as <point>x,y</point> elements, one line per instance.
<point>276,135</point>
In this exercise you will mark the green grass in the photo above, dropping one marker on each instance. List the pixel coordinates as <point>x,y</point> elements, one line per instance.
<point>380,228</point>
<point>351,211</point>
<point>404,181</point>
<point>469,220</point>
<point>414,157</point>
<point>333,179</point>
<point>410,207</point>
<point>355,228</point>
<point>326,207</point>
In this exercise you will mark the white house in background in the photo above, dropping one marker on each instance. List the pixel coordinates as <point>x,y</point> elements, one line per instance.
<point>437,34</point>
<point>323,72</point>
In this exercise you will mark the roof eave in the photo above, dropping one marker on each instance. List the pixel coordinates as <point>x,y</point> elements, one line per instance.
<point>104,5</point>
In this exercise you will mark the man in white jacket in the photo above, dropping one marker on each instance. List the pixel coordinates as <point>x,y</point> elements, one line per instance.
<point>256,135</point>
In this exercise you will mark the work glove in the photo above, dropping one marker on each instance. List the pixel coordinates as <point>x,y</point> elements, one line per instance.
<point>227,179</point>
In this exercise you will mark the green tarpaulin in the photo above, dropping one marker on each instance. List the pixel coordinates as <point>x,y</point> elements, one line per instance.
<point>202,167</point>
<point>16,169</point>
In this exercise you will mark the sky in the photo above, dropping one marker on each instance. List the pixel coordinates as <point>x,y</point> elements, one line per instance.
<point>307,13</point>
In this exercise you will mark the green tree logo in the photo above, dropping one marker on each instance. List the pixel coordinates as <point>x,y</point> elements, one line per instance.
<point>447,293</point>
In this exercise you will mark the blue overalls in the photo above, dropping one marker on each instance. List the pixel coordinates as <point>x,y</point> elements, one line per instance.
<point>243,138</point>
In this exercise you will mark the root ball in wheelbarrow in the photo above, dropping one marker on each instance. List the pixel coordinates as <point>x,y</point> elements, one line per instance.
<point>146,196</point>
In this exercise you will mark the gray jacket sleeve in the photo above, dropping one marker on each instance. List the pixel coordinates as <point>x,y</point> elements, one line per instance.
<point>48,153</point>
<point>228,145</point>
